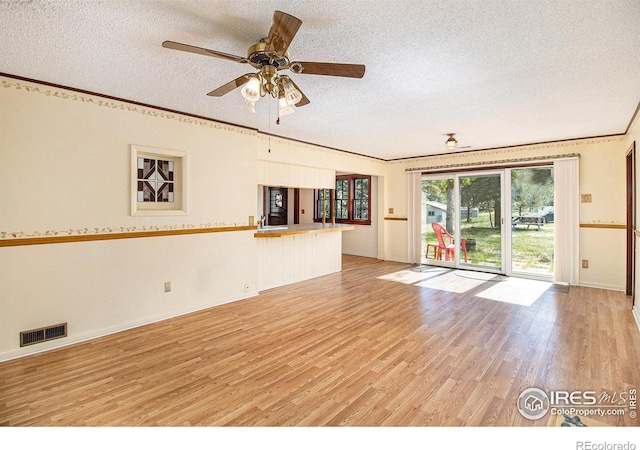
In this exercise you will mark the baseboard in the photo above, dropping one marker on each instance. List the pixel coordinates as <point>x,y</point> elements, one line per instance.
<point>362,254</point>
<point>88,336</point>
<point>636,314</point>
<point>608,287</point>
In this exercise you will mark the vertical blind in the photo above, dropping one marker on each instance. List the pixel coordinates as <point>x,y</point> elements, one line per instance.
<point>567,220</point>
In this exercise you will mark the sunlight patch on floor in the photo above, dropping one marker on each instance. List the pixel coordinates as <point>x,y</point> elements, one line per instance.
<point>450,282</point>
<point>409,276</point>
<point>518,291</point>
<point>484,276</point>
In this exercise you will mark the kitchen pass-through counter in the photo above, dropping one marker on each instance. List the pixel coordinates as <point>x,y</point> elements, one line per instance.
<point>291,253</point>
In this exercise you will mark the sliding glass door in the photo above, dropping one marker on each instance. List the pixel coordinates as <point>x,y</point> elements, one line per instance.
<point>481,221</point>
<point>494,221</point>
<point>439,220</point>
<point>532,221</point>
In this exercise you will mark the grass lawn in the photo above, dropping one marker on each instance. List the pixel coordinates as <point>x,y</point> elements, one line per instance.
<point>532,248</point>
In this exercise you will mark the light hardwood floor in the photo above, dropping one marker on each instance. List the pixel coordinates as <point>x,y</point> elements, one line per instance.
<point>345,349</point>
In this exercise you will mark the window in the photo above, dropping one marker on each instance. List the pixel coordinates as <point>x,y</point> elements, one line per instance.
<point>342,199</point>
<point>158,185</point>
<point>322,207</point>
<point>361,199</point>
<point>352,202</point>
<point>156,180</point>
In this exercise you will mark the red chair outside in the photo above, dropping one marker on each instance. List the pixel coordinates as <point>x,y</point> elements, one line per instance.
<point>445,244</point>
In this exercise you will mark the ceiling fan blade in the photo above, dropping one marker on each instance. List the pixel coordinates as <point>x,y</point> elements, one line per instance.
<point>332,69</point>
<point>283,28</point>
<point>304,100</point>
<point>231,85</point>
<point>203,51</point>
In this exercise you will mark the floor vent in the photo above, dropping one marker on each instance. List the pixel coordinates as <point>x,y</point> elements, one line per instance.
<point>43,334</point>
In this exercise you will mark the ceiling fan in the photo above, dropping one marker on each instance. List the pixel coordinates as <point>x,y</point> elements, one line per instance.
<point>269,56</point>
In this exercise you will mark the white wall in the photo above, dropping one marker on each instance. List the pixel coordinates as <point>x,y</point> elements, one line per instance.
<point>363,241</point>
<point>306,205</point>
<point>65,166</point>
<point>101,287</point>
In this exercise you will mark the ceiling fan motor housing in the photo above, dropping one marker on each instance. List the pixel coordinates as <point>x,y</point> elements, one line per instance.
<point>259,58</point>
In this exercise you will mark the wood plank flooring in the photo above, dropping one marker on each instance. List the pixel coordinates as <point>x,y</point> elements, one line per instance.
<point>346,349</point>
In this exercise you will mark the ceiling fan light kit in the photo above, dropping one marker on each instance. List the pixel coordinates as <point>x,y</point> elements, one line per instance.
<point>269,56</point>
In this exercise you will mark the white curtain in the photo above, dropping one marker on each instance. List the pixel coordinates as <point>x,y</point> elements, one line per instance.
<point>414,210</point>
<point>567,221</point>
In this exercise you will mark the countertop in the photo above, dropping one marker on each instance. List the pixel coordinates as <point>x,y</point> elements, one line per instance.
<point>289,230</point>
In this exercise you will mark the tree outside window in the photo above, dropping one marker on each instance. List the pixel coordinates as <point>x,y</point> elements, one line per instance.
<point>323,204</point>
<point>342,199</point>
<point>361,199</point>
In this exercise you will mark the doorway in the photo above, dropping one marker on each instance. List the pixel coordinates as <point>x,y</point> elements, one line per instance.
<point>501,220</point>
<point>276,206</point>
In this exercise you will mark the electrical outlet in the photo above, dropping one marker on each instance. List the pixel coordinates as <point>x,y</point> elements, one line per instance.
<point>251,220</point>
<point>586,198</point>
<point>167,286</point>
<point>302,211</point>
<point>390,210</point>
<point>246,287</point>
<point>585,263</point>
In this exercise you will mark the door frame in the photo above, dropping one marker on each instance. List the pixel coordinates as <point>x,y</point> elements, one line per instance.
<point>267,203</point>
<point>505,173</point>
<point>631,219</point>
<point>457,263</point>
<point>442,176</point>
<point>503,269</point>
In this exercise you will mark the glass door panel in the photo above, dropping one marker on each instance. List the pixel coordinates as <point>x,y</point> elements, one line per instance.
<point>438,220</point>
<point>532,221</point>
<point>481,221</point>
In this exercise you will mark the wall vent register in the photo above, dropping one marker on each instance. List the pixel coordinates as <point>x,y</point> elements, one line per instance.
<point>38,335</point>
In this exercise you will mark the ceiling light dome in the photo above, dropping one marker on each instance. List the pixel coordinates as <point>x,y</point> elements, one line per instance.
<point>283,105</point>
<point>291,94</point>
<point>451,142</point>
<point>251,90</point>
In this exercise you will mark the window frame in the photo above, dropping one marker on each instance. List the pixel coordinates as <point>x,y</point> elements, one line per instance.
<point>176,208</point>
<point>351,200</point>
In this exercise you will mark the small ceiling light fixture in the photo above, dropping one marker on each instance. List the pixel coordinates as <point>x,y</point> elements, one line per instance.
<point>451,142</point>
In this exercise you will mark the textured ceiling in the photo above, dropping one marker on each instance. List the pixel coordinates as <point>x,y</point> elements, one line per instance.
<point>496,73</point>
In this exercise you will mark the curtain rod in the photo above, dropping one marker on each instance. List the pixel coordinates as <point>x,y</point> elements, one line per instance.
<point>479,165</point>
